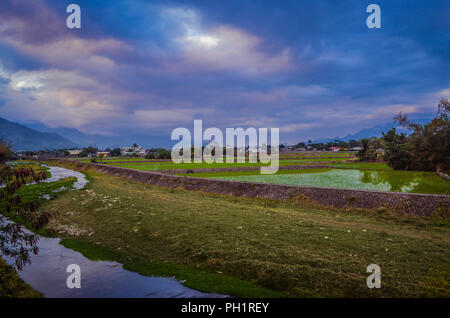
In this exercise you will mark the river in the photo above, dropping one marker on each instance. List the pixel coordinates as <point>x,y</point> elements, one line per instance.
<point>47,271</point>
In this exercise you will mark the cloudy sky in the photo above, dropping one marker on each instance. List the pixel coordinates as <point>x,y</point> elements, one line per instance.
<point>311,68</point>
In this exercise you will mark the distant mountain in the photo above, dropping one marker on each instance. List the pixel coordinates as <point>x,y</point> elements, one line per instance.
<point>369,132</point>
<point>375,131</point>
<point>78,137</point>
<point>103,142</point>
<point>23,138</point>
<point>365,133</point>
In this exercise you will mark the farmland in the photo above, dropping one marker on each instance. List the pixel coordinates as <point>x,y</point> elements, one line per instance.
<point>145,164</point>
<point>345,173</point>
<point>171,165</point>
<point>253,247</point>
<point>396,181</point>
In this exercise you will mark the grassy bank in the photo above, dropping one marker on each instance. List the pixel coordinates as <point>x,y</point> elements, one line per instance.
<point>41,192</point>
<point>252,247</point>
<point>28,164</point>
<point>12,286</point>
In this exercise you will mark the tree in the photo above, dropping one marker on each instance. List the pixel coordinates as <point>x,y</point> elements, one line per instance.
<point>396,152</point>
<point>353,143</point>
<point>427,148</point>
<point>369,151</point>
<point>90,150</point>
<point>158,153</point>
<point>115,152</point>
<point>14,241</point>
<point>300,145</point>
<point>5,151</point>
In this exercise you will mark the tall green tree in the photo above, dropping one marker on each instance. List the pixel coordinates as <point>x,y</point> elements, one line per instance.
<point>115,152</point>
<point>369,151</point>
<point>5,151</point>
<point>427,148</point>
<point>396,152</point>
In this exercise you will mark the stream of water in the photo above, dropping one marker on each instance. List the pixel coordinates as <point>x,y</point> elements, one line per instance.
<point>47,272</point>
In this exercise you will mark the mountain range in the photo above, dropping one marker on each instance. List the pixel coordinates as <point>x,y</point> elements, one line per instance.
<point>103,142</point>
<point>364,133</point>
<point>23,138</point>
<point>37,136</point>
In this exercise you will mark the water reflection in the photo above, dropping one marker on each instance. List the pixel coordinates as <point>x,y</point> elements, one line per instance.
<point>49,260</point>
<point>48,275</point>
<point>16,243</point>
<point>58,173</point>
<point>392,180</point>
<point>396,181</point>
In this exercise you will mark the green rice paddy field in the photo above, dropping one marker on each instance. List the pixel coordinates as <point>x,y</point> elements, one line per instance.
<point>397,181</point>
<point>344,174</point>
<point>283,156</point>
<point>256,248</point>
<point>170,165</point>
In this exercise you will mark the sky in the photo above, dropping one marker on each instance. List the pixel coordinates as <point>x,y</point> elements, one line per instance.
<point>313,69</point>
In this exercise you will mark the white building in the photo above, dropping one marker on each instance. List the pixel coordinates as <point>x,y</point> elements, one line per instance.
<point>132,151</point>
<point>74,152</point>
<point>104,153</point>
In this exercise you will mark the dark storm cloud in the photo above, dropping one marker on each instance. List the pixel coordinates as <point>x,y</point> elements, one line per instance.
<point>312,68</point>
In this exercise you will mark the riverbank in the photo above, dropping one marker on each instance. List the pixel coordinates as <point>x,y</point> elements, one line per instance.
<point>253,247</point>
<point>46,269</point>
<point>11,286</point>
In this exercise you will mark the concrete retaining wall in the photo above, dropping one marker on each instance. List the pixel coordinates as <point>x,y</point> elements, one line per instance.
<point>410,203</point>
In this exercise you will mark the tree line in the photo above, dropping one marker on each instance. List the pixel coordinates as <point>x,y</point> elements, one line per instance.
<point>419,147</point>
<point>426,148</point>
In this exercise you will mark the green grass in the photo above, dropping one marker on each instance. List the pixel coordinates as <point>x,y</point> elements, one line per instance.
<point>12,286</point>
<point>36,166</point>
<point>288,161</point>
<point>113,159</point>
<point>219,175</point>
<point>163,166</point>
<point>245,247</point>
<point>170,165</point>
<point>37,192</point>
<point>317,154</point>
<point>195,278</point>
<point>362,165</point>
<point>397,181</point>
<point>300,155</point>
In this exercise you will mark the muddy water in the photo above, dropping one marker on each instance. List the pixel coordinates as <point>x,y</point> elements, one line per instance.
<point>47,272</point>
